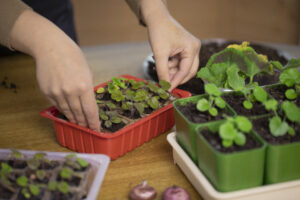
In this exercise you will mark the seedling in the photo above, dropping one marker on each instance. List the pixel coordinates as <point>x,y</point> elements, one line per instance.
<point>109,117</point>
<point>291,78</point>
<point>27,189</point>
<point>76,163</point>
<point>213,100</point>
<point>233,129</point>
<point>6,170</point>
<point>61,187</point>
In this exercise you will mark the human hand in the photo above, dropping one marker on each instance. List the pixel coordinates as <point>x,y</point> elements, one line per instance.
<point>176,51</point>
<point>62,71</point>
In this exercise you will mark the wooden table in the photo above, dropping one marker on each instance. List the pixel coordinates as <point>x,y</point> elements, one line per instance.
<point>21,127</point>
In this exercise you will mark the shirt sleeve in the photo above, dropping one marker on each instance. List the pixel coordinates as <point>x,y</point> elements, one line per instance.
<point>10,10</point>
<point>135,7</point>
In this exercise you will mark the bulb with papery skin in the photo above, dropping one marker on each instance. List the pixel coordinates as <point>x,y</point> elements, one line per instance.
<point>176,193</point>
<point>142,192</point>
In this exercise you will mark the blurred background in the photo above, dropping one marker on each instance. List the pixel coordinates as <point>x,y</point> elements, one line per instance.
<point>111,21</point>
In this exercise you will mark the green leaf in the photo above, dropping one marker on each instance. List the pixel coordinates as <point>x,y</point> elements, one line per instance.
<point>292,63</point>
<point>291,111</point>
<point>40,174</point>
<point>153,102</point>
<point>100,90</point>
<point>99,101</point>
<point>25,193</point>
<point>63,187</point>
<point>66,173</point>
<point>153,87</point>
<point>111,105</point>
<point>289,77</point>
<point>227,131</point>
<point>260,94</point>
<point>278,127</point>
<point>165,85</point>
<point>203,105</point>
<point>117,95</point>
<point>34,189</point>
<point>22,181</point>
<point>115,120</point>
<point>127,105</point>
<point>235,81</point>
<point>291,94</point>
<point>213,111</point>
<point>52,185</point>
<point>243,123</point>
<point>220,102</point>
<point>140,107</point>
<point>276,65</point>
<point>107,124</point>
<point>83,163</point>
<point>291,131</point>
<point>227,143</point>
<point>5,168</point>
<point>141,95</point>
<point>271,104</point>
<point>162,94</point>
<point>212,89</point>
<point>137,85</point>
<point>103,116</point>
<point>247,104</point>
<point>240,139</point>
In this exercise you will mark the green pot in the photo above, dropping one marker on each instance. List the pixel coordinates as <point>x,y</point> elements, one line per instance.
<point>185,129</point>
<point>231,171</point>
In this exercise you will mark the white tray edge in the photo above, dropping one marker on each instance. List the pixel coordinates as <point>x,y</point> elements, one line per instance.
<point>288,190</point>
<point>99,161</point>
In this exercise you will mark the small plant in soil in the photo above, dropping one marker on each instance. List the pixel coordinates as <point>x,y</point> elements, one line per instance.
<point>214,99</point>
<point>123,101</point>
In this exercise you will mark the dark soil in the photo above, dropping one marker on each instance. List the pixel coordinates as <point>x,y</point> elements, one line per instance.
<point>261,126</point>
<point>60,196</point>
<point>17,164</point>
<point>278,92</point>
<point>21,196</point>
<point>236,102</point>
<point>132,114</point>
<point>4,193</point>
<point>216,142</point>
<point>196,86</point>
<point>190,111</point>
<point>114,127</point>
<point>48,166</point>
<point>74,181</point>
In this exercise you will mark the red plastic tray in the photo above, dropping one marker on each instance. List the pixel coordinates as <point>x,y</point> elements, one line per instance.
<point>81,139</point>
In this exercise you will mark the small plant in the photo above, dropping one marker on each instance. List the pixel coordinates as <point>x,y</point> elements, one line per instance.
<point>233,129</point>
<point>214,99</point>
<point>291,78</point>
<point>59,187</point>
<point>28,189</point>
<point>109,118</point>
<point>76,163</point>
<point>6,170</point>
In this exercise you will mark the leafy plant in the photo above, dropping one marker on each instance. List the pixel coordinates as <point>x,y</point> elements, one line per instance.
<point>233,129</point>
<point>6,169</point>
<point>291,78</point>
<point>75,162</point>
<point>27,189</point>
<point>61,186</point>
<point>213,99</point>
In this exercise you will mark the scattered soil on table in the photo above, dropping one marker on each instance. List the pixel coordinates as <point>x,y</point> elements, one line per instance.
<point>261,126</point>
<point>190,111</point>
<point>236,102</point>
<point>216,142</point>
<point>278,92</point>
<point>7,84</point>
<point>196,85</point>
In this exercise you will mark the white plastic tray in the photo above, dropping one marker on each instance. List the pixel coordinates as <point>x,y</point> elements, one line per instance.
<point>99,164</point>
<point>281,191</point>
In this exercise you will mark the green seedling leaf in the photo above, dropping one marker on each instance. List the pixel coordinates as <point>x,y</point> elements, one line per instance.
<point>260,94</point>
<point>66,173</point>
<point>153,102</point>
<point>203,105</point>
<point>117,95</point>
<point>108,124</point>
<point>137,85</point>
<point>292,63</point>
<point>140,107</point>
<point>235,81</point>
<point>5,168</point>
<point>212,89</point>
<point>276,65</point>
<point>111,105</point>
<point>162,94</point>
<point>247,104</point>
<point>291,111</point>
<point>112,87</point>
<point>99,101</point>
<point>63,187</point>
<point>278,127</point>
<point>15,154</point>
<point>100,90</point>
<point>220,102</point>
<point>227,131</point>
<point>141,95</point>
<point>39,156</point>
<point>40,174</point>
<point>240,139</point>
<point>127,105</point>
<point>290,77</point>
<point>165,85</point>
<point>153,87</point>
<point>52,185</point>
<point>291,94</point>
<point>118,82</point>
<point>22,181</point>
<point>213,111</point>
<point>123,79</point>
<point>243,123</point>
<point>129,94</point>
<point>291,131</point>
<point>115,120</point>
<point>103,116</point>
<point>25,193</point>
<point>227,143</point>
<point>83,163</point>
<point>271,104</point>
<point>34,189</point>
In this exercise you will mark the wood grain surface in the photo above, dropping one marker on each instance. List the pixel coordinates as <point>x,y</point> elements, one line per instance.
<point>21,127</point>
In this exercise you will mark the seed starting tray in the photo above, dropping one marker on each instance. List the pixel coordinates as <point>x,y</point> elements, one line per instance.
<point>86,188</point>
<point>288,190</point>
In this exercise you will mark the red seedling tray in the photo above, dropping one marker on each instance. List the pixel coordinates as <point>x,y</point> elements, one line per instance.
<point>81,139</point>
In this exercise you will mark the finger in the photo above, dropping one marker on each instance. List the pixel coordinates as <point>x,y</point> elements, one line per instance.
<point>75,106</point>
<point>172,72</point>
<point>173,62</point>
<point>90,110</point>
<point>63,106</point>
<point>184,68</point>
<point>161,61</point>
<point>193,70</point>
